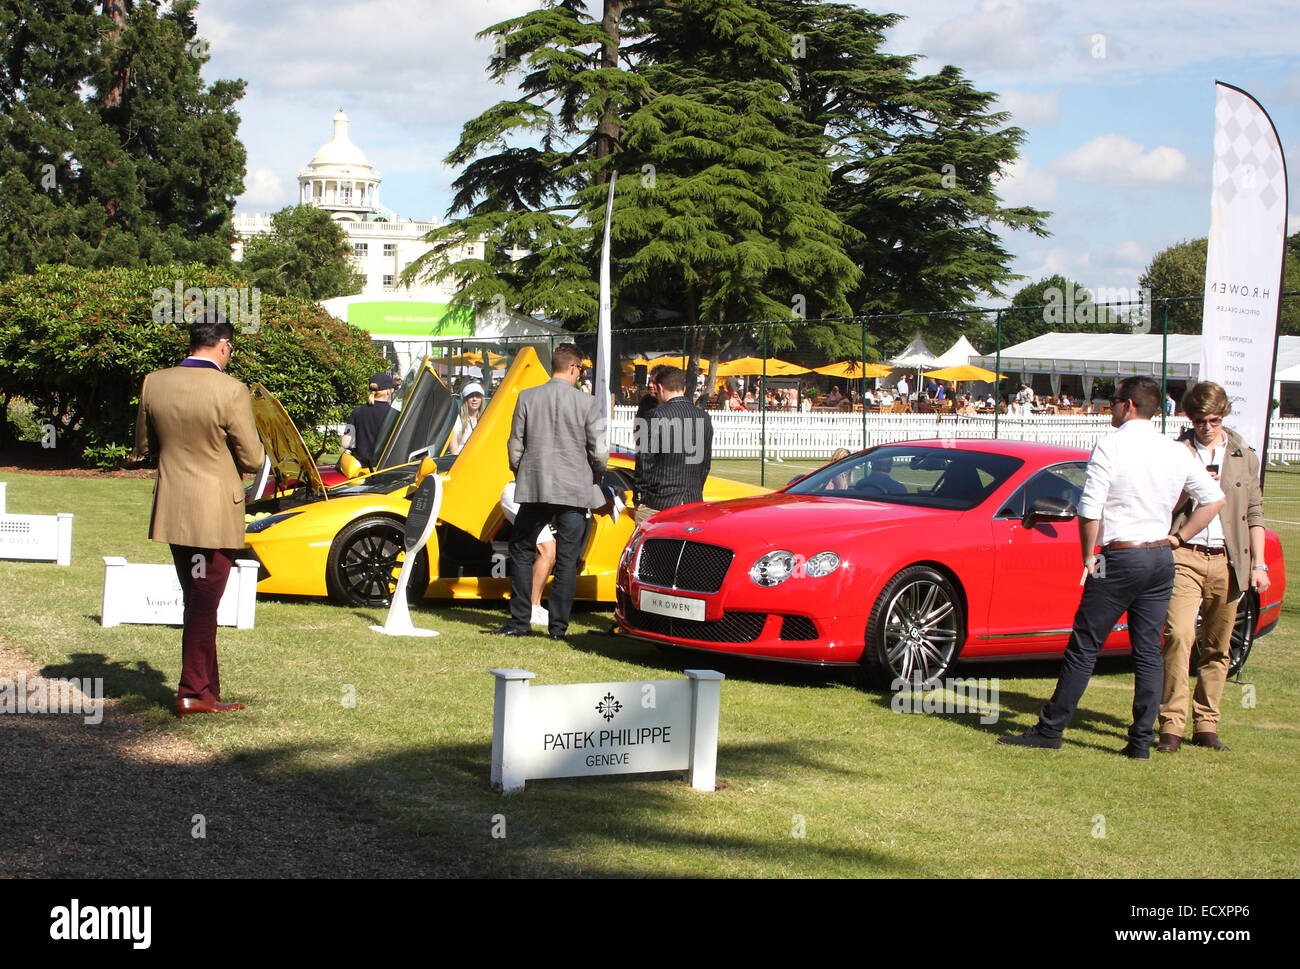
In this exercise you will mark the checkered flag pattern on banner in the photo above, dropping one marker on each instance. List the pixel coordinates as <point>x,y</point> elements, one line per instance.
<point>1246,157</point>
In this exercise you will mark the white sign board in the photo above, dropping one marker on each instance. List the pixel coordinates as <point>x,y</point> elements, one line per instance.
<point>42,538</point>
<point>1243,260</point>
<point>152,594</point>
<point>580,729</point>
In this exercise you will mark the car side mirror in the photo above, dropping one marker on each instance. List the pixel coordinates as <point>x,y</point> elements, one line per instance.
<point>349,466</point>
<point>1049,510</point>
<point>427,467</point>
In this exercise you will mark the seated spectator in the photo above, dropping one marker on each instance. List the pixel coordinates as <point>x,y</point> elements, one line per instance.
<point>841,481</point>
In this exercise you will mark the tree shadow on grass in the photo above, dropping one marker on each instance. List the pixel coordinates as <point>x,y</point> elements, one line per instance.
<point>439,802</point>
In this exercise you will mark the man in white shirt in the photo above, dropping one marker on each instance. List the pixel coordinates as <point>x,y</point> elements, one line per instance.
<point>1135,478</point>
<point>903,389</point>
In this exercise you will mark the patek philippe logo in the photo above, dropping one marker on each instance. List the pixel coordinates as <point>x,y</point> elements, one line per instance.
<point>608,706</point>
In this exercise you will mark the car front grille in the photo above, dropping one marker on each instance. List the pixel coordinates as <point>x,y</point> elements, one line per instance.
<point>733,627</point>
<point>675,563</point>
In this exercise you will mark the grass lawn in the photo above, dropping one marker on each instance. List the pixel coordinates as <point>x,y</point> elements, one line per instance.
<point>801,752</point>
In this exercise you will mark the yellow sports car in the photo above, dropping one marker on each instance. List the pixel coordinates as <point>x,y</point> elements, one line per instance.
<point>345,541</point>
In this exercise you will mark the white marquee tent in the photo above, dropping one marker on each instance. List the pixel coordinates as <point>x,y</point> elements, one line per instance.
<point>1118,355</point>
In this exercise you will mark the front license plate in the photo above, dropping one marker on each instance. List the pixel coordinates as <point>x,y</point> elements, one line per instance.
<point>678,607</point>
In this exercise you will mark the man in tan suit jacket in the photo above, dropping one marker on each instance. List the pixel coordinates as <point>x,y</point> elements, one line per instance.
<point>199,422</point>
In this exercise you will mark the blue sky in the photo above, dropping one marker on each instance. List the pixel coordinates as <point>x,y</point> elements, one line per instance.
<point>1116,97</point>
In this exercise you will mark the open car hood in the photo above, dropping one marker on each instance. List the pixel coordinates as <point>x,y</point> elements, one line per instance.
<point>290,459</point>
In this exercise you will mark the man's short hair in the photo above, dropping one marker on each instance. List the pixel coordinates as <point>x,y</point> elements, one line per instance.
<point>564,357</point>
<point>209,330</point>
<point>1207,397</point>
<point>1143,391</point>
<point>671,379</point>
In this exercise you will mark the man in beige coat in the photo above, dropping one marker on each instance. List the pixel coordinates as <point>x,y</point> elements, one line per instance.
<point>1212,570</point>
<point>199,423</point>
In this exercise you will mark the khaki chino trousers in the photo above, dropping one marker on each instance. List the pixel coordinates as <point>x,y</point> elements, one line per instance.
<point>1201,585</point>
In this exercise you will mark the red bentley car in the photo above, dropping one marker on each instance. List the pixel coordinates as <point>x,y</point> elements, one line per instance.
<point>897,559</point>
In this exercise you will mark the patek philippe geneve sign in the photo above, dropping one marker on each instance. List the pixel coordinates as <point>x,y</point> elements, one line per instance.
<point>582,729</point>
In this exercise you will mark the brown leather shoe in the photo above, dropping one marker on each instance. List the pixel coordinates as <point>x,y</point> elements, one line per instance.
<point>188,705</point>
<point>1209,739</point>
<point>1169,743</point>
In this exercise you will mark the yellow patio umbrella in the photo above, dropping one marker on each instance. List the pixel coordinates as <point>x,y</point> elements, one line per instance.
<point>626,366</point>
<point>473,359</point>
<point>661,361</point>
<point>753,366</point>
<point>966,372</point>
<point>847,368</point>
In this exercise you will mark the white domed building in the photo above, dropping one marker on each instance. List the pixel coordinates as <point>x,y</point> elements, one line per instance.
<point>341,179</point>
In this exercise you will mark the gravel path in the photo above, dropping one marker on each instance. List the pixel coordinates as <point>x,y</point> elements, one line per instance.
<point>118,799</point>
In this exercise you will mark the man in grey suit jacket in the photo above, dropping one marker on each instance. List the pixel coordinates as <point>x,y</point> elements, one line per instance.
<point>557,451</point>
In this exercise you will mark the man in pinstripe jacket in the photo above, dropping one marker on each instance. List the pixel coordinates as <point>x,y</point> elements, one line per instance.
<point>676,447</point>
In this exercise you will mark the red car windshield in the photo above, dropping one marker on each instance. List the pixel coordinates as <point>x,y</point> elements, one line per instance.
<point>930,477</point>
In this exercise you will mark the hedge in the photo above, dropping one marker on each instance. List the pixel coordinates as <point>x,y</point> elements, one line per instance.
<point>77,343</point>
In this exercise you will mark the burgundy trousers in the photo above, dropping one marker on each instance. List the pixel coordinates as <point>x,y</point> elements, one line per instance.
<point>203,573</point>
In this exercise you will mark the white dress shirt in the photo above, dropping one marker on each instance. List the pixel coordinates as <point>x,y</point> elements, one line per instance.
<point>1212,535</point>
<point>1135,477</point>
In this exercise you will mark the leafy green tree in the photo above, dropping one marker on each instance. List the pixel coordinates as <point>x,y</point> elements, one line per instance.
<point>1179,271</point>
<point>780,167</point>
<point>306,255</point>
<point>913,166</point>
<point>1054,304</point>
<point>76,343</point>
<point>113,150</point>
<point>732,223</point>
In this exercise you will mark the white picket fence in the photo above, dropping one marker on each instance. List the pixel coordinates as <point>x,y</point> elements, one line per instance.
<point>741,434</point>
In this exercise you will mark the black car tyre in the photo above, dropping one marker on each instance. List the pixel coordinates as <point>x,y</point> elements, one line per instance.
<point>915,631</point>
<point>1243,635</point>
<point>364,561</point>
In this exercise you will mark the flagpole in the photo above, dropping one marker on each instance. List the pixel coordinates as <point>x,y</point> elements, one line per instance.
<point>604,325</point>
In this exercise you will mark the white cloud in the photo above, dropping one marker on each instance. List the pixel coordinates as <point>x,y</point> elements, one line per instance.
<point>1000,33</point>
<point>1292,223</point>
<point>264,189</point>
<point>1116,160</point>
<point>1028,110</point>
<point>1021,184</point>
<point>1141,38</point>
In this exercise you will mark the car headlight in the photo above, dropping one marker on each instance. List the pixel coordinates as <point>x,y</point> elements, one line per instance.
<point>262,524</point>
<point>823,563</point>
<point>773,568</point>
